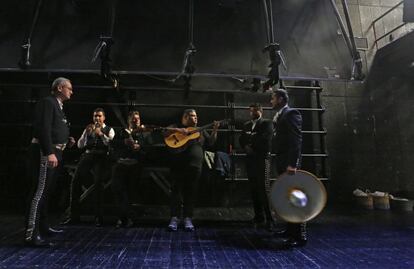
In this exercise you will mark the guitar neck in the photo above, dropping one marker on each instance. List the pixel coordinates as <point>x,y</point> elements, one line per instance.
<point>204,127</point>
<point>198,129</point>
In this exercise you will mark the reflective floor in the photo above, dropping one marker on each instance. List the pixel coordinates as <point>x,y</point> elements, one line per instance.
<point>223,239</point>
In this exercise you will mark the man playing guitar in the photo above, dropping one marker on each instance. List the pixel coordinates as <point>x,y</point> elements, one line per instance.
<point>186,164</point>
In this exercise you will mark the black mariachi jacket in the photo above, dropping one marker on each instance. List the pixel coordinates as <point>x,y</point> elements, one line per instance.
<point>287,138</point>
<point>50,124</point>
<point>120,150</point>
<point>260,138</point>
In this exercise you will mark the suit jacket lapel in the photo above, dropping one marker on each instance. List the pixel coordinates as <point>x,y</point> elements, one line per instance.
<point>248,126</point>
<point>62,113</point>
<point>259,121</point>
<point>283,113</point>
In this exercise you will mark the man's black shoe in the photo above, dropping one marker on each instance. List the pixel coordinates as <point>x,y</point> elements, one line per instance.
<point>298,235</point>
<point>126,223</point>
<point>98,221</point>
<point>280,233</point>
<point>51,231</point>
<point>55,231</point>
<point>257,220</point>
<point>270,226</point>
<point>129,223</point>
<point>37,241</point>
<point>293,243</point>
<point>71,221</point>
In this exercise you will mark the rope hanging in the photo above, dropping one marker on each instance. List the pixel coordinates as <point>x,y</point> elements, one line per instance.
<point>272,48</point>
<point>25,54</point>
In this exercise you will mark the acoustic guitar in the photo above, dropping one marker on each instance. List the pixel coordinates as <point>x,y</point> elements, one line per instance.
<point>178,140</point>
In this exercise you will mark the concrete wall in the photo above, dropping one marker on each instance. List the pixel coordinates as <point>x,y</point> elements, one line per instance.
<point>370,137</point>
<point>364,12</point>
<point>369,128</point>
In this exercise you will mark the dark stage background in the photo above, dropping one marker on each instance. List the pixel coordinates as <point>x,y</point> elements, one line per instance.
<point>152,35</point>
<point>368,146</point>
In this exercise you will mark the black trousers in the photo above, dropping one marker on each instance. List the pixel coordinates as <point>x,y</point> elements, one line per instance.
<point>294,230</point>
<point>258,169</point>
<point>183,190</point>
<point>89,162</point>
<point>123,177</point>
<point>43,179</point>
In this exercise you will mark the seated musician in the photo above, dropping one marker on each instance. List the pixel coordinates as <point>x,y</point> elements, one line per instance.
<point>186,164</point>
<point>95,139</point>
<point>129,160</point>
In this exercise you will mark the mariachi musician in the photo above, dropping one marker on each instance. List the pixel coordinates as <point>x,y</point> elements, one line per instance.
<point>95,139</point>
<point>256,139</point>
<point>129,157</point>
<point>287,144</point>
<point>186,167</point>
<point>51,136</point>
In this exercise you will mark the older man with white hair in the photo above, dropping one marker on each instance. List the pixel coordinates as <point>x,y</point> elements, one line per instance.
<point>50,137</point>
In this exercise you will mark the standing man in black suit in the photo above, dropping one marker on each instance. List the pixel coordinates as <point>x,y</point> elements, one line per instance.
<point>256,140</point>
<point>287,144</point>
<point>50,137</point>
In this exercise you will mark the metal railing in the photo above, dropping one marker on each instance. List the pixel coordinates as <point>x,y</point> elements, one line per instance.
<point>392,30</point>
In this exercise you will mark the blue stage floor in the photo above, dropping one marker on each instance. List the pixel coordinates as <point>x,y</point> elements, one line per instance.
<point>337,239</point>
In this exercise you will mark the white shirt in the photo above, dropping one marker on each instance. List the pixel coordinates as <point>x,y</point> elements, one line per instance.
<point>60,103</point>
<point>105,139</point>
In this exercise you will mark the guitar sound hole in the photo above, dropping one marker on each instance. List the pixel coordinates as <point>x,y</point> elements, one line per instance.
<point>176,140</point>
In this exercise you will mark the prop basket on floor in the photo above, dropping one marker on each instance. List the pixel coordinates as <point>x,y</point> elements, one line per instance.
<point>365,202</point>
<point>399,204</point>
<point>381,202</point>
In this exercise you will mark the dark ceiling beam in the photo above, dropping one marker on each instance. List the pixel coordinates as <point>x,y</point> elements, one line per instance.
<point>157,74</point>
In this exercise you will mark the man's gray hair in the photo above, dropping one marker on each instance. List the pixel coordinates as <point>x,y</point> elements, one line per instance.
<point>57,82</point>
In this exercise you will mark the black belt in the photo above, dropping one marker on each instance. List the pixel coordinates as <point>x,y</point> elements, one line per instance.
<point>96,151</point>
<point>56,146</point>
